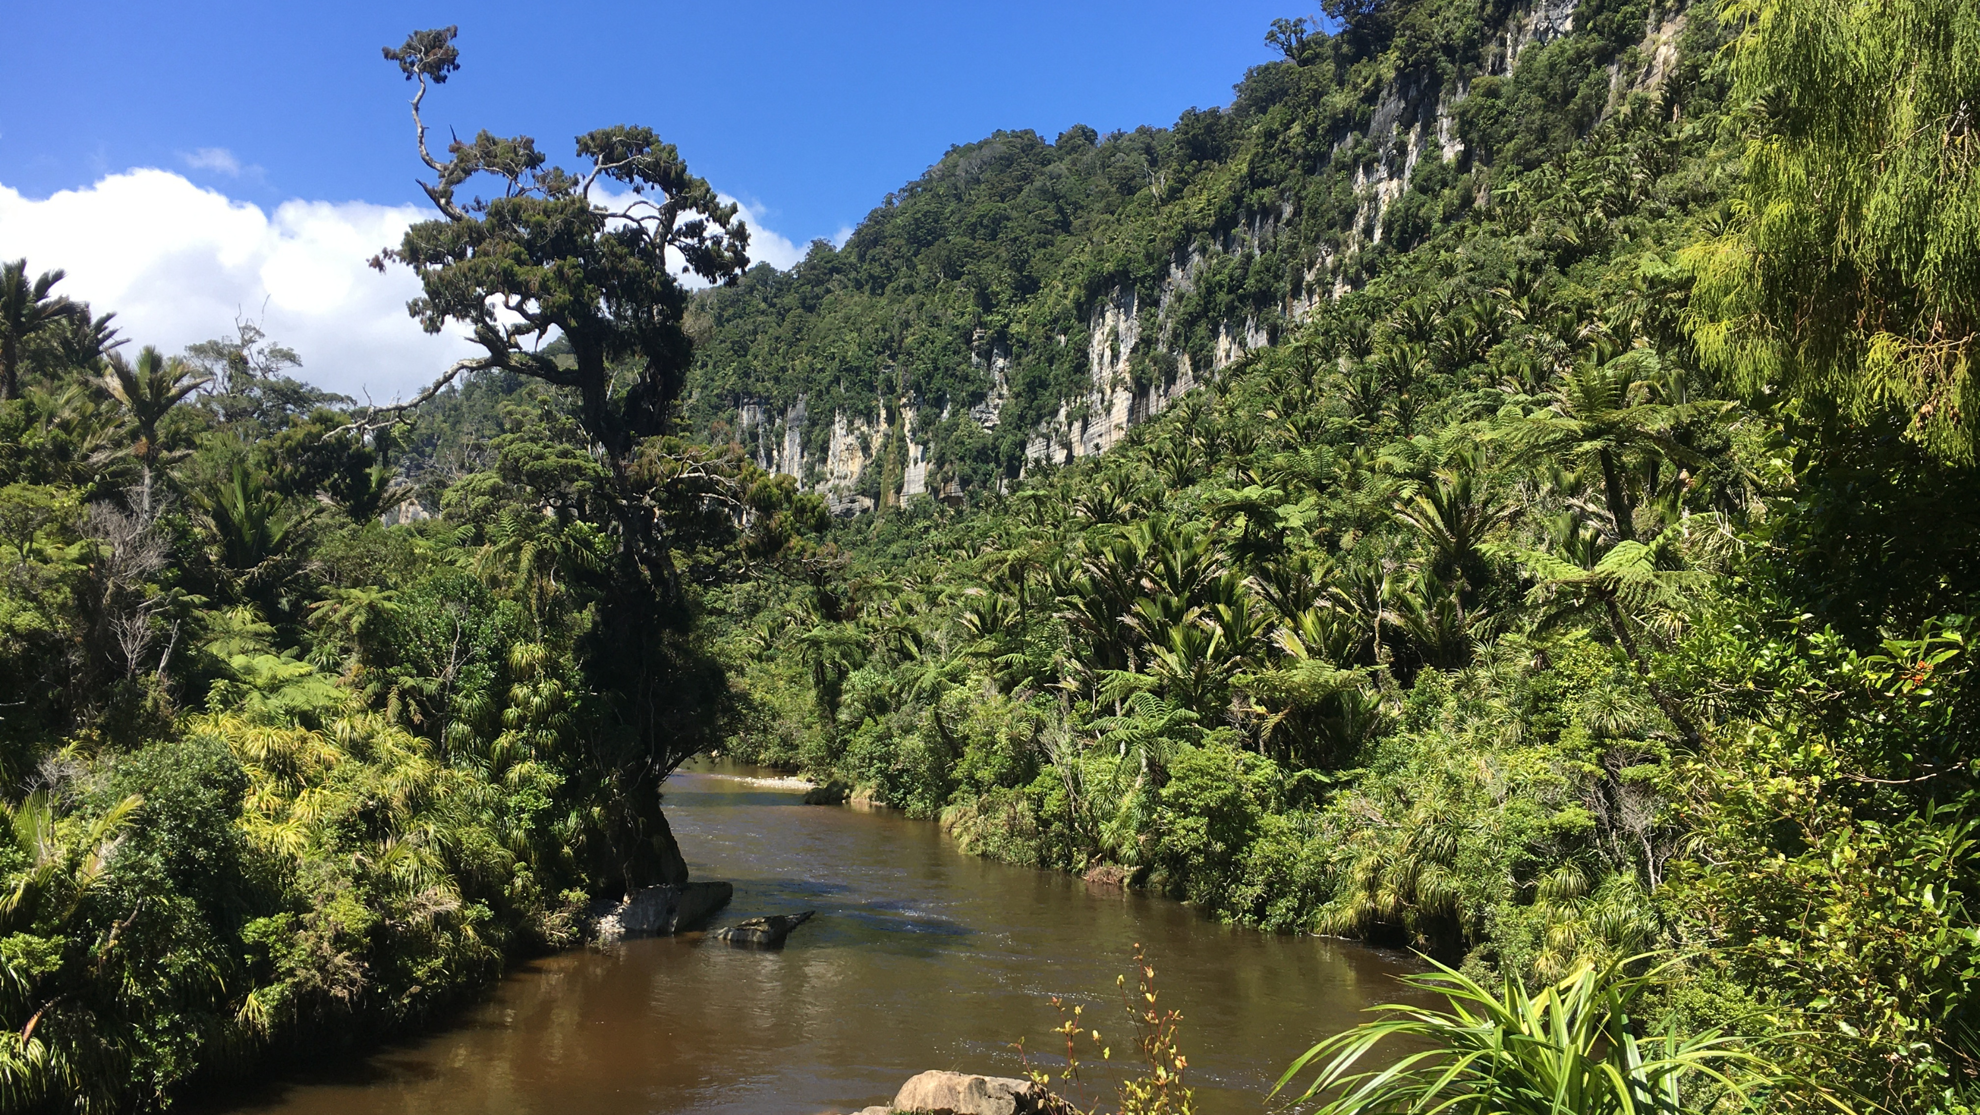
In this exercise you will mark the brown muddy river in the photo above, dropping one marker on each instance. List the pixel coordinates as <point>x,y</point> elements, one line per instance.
<point>920,958</point>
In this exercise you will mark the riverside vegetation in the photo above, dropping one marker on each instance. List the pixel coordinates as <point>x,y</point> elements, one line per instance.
<point>1585,574</point>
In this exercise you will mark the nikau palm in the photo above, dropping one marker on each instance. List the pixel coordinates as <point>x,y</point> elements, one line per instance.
<point>26,310</point>
<point>148,391</point>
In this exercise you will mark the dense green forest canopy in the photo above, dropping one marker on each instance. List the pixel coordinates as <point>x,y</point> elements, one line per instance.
<point>1578,565</point>
<point>1236,215</point>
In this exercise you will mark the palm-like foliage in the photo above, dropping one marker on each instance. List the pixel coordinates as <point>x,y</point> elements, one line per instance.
<point>1571,1049</point>
<point>1606,412</point>
<point>1096,586</point>
<point>1626,582</point>
<point>1440,627</point>
<point>1110,499</point>
<point>987,616</point>
<point>369,796</point>
<point>831,651</point>
<point>250,529</point>
<point>366,496</point>
<point>1453,517</point>
<point>65,860</point>
<point>26,309</point>
<point>148,390</point>
<point>1178,461</point>
<point>1414,882</point>
<point>63,865</point>
<point>1194,665</point>
<point>1613,920</point>
<point>1399,372</point>
<point>533,560</point>
<point>87,339</point>
<point>77,432</point>
<point>248,521</point>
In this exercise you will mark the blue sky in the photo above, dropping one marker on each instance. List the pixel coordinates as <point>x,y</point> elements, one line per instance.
<point>810,112</point>
<point>278,139</point>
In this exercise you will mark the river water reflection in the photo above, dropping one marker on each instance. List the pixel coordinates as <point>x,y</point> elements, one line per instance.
<point>920,957</point>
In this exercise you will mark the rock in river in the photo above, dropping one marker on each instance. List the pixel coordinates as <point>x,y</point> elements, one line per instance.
<point>958,1093</point>
<point>831,793</point>
<point>659,911</point>
<point>766,933</point>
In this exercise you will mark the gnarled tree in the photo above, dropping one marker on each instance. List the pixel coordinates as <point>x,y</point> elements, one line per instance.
<point>594,256</point>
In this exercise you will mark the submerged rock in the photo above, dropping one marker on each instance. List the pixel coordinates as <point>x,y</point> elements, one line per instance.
<point>768,932</point>
<point>831,793</point>
<point>958,1093</point>
<point>658,911</point>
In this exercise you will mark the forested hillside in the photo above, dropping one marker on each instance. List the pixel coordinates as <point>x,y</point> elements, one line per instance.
<point>1025,302</point>
<point>1574,562</point>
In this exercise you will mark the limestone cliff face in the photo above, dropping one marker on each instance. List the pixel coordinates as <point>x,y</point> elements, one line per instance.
<point>847,455</point>
<point>776,444</point>
<point>1095,422</point>
<point>867,461</point>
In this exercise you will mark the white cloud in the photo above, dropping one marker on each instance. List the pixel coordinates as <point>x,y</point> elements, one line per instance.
<point>766,246</point>
<point>179,263</point>
<point>217,159</point>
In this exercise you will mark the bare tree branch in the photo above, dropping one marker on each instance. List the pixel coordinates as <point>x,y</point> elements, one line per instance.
<point>600,168</point>
<point>378,418</point>
<point>440,200</point>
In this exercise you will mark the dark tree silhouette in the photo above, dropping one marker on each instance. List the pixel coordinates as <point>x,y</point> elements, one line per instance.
<point>595,257</point>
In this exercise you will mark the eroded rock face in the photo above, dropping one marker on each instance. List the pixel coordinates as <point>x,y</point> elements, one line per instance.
<point>957,1093</point>
<point>659,911</point>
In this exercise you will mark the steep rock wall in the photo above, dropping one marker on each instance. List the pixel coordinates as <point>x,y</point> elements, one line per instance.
<point>1412,117</point>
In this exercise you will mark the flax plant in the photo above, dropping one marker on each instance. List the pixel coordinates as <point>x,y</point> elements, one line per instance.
<point>1572,1048</point>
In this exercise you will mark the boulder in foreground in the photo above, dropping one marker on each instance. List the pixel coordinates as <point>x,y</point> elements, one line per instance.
<point>959,1093</point>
